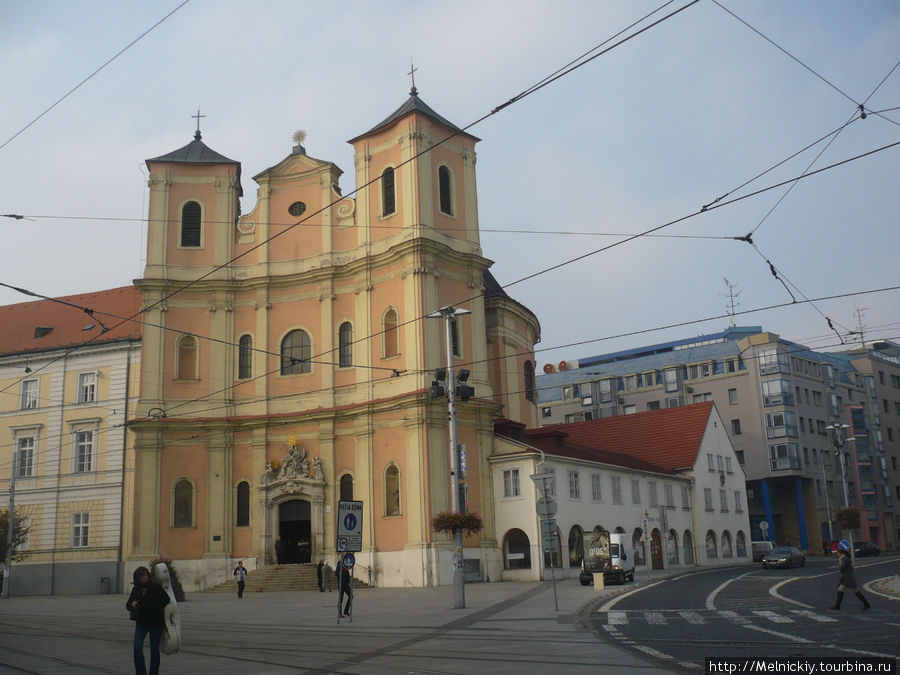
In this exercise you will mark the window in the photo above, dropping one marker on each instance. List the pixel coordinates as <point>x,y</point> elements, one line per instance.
<point>635,491</point>
<point>389,337</point>
<point>728,467</point>
<point>604,388</point>
<point>574,485</point>
<point>243,504</point>
<point>731,365</point>
<point>444,185</point>
<point>723,500</point>
<point>347,487</point>
<point>629,409</point>
<point>707,499</point>
<point>296,351</point>
<point>245,357</point>
<point>685,498</point>
<point>187,358</point>
<point>772,361</point>
<point>631,382</point>
<point>297,209</point>
<point>546,412</point>
<point>710,461</point>
<point>617,489</point>
<point>84,451</point>
<point>650,378</point>
<point>777,392</point>
<point>183,503</point>
<point>345,345</point>
<point>671,377</point>
<point>738,504</point>
<point>654,498</point>
<point>720,463</point>
<point>576,546</point>
<point>190,224</point>
<point>701,398</point>
<point>784,456</point>
<point>652,405</point>
<point>29,397</point>
<point>87,387</point>
<point>817,398</point>
<point>81,525</point>
<point>529,381</point>
<point>25,456</point>
<point>781,424</point>
<point>511,483</point>
<point>671,547</point>
<point>596,487</point>
<point>670,495</point>
<point>735,427</point>
<point>388,194</point>
<point>712,551</point>
<point>516,551</point>
<point>727,551</point>
<point>392,491</point>
<point>732,396</point>
<point>673,401</point>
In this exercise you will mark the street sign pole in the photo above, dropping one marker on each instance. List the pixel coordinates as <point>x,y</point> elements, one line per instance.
<point>546,510</point>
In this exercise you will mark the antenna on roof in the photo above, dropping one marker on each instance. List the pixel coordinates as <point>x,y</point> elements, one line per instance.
<point>732,296</point>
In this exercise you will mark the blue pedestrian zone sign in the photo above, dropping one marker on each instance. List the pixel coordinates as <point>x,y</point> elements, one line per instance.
<point>349,522</point>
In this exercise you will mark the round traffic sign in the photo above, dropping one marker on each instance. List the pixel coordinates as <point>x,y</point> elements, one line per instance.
<point>546,507</point>
<point>348,561</point>
<point>343,543</point>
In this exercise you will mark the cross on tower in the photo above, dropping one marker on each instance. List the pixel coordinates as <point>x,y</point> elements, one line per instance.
<point>197,117</point>
<point>412,74</point>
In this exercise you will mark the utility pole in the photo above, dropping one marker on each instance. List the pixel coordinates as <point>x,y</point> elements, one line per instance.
<point>449,315</point>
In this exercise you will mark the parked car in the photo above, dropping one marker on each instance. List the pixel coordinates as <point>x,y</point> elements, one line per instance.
<point>784,556</point>
<point>760,549</point>
<point>861,549</point>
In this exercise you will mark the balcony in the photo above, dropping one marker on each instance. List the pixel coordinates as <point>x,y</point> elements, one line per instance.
<point>785,463</point>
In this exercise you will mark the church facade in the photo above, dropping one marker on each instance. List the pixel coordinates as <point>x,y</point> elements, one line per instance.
<point>287,356</point>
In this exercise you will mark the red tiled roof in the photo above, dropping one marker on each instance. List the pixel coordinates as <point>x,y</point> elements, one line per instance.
<point>18,323</point>
<point>668,438</point>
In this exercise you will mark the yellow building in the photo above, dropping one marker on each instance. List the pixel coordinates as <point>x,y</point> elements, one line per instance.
<point>287,356</point>
<point>68,381</point>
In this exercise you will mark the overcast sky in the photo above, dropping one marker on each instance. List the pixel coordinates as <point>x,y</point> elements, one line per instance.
<point>674,118</point>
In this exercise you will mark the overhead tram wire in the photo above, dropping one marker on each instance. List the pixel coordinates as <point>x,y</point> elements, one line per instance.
<point>85,80</point>
<point>543,83</point>
<point>800,348</point>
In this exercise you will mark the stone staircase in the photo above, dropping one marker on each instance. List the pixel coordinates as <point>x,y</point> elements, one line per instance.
<point>280,578</point>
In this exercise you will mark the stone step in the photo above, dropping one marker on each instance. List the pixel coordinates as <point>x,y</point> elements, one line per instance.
<point>280,578</point>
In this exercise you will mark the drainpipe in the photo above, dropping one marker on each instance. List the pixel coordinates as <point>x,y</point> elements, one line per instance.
<point>62,410</point>
<point>120,563</point>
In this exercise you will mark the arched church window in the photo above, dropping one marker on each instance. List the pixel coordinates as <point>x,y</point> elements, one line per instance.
<point>187,358</point>
<point>190,224</point>
<point>345,345</point>
<point>389,333</point>
<point>347,487</point>
<point>296,350</point>
<point>388,192</point>
<point>245,357</point>
<point>444,186</point>
<point>243,504</point>
<point>183,504</point>
<point>529,381</point>
<point>392,491</point>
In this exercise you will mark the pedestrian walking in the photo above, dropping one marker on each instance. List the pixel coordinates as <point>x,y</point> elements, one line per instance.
<point>240,573</point>
<point>146,604</point>
<point>279,550</point>
<point>344,583</point>
<point>319,579</point>
<point>848,578</point>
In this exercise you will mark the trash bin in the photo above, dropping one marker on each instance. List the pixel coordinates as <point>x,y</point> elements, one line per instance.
<point>598,581</point>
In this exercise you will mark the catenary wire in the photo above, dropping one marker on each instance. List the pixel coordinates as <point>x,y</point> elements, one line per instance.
<point>78,86</point>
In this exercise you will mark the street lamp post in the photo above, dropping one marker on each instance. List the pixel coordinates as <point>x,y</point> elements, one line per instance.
<point>838,431</point>
<point>449,315</point>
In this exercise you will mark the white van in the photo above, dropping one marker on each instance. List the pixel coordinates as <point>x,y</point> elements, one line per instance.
<point>761,549</point>
<point>610,553</point>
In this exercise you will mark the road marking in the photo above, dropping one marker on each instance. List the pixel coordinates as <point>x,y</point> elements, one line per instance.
<point>609,604</point>
<point>861,651</point>
<point>711,598</point>
<point>775,594</point>
<point>617,618</point>
<point>734,617</point>
<point>653,652</point>
<point>786,636</point>
<point>656,618</point>
<point>692,617</point>
<point>774,617</point>
<point>821,618</point>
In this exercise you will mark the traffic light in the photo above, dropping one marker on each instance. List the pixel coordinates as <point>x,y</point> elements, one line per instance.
<point>463,391</point>
<point>437,384</point>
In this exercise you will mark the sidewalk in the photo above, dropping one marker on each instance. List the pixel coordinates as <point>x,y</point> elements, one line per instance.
<point>504,628</point>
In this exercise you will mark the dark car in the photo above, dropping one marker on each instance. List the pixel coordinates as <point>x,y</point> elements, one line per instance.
<point>784,556</point>
<point>861,549</point>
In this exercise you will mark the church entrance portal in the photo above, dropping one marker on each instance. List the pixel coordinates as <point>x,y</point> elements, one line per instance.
<point>295,531</point>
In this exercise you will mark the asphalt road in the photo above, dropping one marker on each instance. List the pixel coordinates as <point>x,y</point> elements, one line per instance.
<point>750,612</point>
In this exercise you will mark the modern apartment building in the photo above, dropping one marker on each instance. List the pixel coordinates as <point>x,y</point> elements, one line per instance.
<point>780,402</point>
<point>68,382</point>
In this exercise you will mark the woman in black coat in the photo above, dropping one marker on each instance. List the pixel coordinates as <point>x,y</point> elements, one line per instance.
<point>147,603</point>
<point>848,578</point>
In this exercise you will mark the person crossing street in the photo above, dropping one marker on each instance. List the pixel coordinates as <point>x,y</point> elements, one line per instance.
<point>847,578</point>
